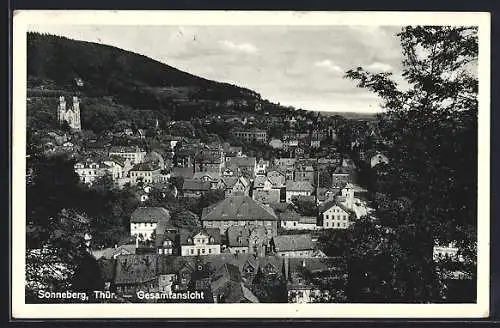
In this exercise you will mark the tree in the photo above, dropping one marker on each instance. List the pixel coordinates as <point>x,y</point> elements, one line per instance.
<point>431,130</point>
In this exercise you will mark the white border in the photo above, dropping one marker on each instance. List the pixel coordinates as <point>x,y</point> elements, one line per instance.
<point>67,17</point>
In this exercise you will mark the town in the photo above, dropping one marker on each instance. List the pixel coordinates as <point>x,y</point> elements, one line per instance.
<point>246,201</point>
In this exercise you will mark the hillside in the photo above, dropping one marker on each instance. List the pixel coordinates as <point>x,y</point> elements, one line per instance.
<point>131,79</point>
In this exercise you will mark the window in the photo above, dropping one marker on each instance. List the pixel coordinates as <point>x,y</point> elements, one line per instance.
<point>209,251</point>
<point>191,251</point>
<point>203,251</point>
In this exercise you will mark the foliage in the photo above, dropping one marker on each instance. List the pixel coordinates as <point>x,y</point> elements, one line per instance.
<point>269,288</point>
<point>432,129</point>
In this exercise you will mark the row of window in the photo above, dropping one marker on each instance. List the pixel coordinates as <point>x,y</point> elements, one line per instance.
<point>201,251</point>
<point>140,174</point>
<point>143,225</point>
<point>335,217</point>
<point>335,224</point>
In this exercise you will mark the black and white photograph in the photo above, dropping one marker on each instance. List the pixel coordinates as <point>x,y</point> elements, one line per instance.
<point>301,162</point>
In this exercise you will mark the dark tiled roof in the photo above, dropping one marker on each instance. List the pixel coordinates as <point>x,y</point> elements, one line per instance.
<point>173,264</point>
<point>237,236</point>
<point>196,185</point>
<point>291,215</point>
<point>186,172</point>
<point>241,162</point>
<point>150,214</point>
<point>299,186</point>
<point>125,149</point>
<point>238,208</point>
<point>286,243</point>
<point>145,167</point>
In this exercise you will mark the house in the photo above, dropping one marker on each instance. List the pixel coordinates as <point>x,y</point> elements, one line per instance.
<point>291,220</point>
<point>242,166</point>
<point>135,273</point>
<point>144,172</point>
<point>326,194</point>
<point>315,143</point>
<point>298,188</point>
<point>114,252</point>
<point>252,135</point>
<point>215,179</point>
<point>261,167</point>
<point>341,175</point>
<point>268,189</point>
<point>304,173</point>
<point>204,241</point>
<point>377,159</point>
<point>448,251</point>
<point>166,241</point>
<point>227,286</point>
<point>144,221</point>
<point>135,154</point>
<point>335,215</point>
<point>293,245</point>
<point>89,171</point>
<point>195,188</point>
<point>248,239</point>
<point>276,144</point>
<point>236,186</point>
<point>184,172</point>
<point>239,210</point>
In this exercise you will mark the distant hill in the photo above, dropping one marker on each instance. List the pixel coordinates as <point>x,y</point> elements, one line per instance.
<point>352,115</point>
<point>57,64</point>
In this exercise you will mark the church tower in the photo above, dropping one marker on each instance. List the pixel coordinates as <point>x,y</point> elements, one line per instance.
<point>76,114</point>
<point>72,115</point>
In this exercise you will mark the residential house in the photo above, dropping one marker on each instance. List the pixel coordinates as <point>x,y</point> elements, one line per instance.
<point>135,273</point>
<point>268,189</point>
<point>341,175</point>
<point>144,172</point>
<point>243,166</point>
<point>144,221</point>
<point>261,167</point>
<point>248,239</point>
<point>227,286</point>
<point>335,215</point>
<point>298,188</point>
<point>89,171</point>
<point>135,154</point>
<point>377,159</point>
<point>184,172</point>
<point>276,144</point>
<point>236,186</point>
<point>293,245</point>
<point>291,220</point>
<point>113,252</point>
<point>448,251</point>
<point>239,210</point>
<point>195,188</point>
<point>304,173</point>
<point>166,241</point>
<point>204,241</point>
<point>215,179</point>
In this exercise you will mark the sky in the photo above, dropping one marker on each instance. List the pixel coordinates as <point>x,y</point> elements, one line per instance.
<point>300,66</point>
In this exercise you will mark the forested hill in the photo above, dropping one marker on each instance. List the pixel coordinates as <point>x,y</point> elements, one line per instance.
<point>131,79</point>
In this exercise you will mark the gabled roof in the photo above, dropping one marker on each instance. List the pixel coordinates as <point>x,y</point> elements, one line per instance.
<point>214,176</point>
<point>150,215</point>
<point>331,203</point>
<point>125,149</point>
<point>276,181</point>
<point>284,243</point>
<point>299,186</point>
<point>197,185</point>
<point>214,234</point>
<point>241,162</point>
<point>145,167</point>
<point>173,264</point>
<point>291,215</point>
<point>238,208</point>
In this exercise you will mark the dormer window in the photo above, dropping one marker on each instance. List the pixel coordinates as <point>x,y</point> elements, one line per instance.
<point>190,240</point>
<point>212,240</point>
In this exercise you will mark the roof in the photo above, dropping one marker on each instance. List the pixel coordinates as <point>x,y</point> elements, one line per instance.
<point>238,208</point>
<point>284,243</point>
<point>229,181</point>
<point>241,162</point>
<point>331,203</point>
<point>161,237</point>
<point>212,175</point>
<point>214,233</point>
<point>341,170</point>
<point>191,184</point>
<point>291,215</point>
<point>299,186</point>
<point>277,181</point>
<point>150,214</point>
<point>135,269</point>
<point>173,264</point>
<point>145,167</point>
<point>125,149</point>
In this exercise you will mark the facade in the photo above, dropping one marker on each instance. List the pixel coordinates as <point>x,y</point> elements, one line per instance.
<point>135,154</point>
<point>242,166</point>
<point>276,143</point>
<point>256,135</point>
<point>195,188</point>
<point>267,189</point>
<point>378,159</point>
<point>145,172</point>
<point>72,115</point>
<point>335,216</point>
<point>201,242</point>
<point>291,220</point>
<point>144,220</point>
<point>89,171</point>
<point>298,188</point>
<point>239,210</point>
<point>261,167</point>
<point>304,173</point>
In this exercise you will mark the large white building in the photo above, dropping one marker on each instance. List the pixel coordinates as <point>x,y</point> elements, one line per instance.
<point>134,154</point>
<point>144,221</point>
<point>335,215</point>
<point>204,241</point>
<point>71,115</point>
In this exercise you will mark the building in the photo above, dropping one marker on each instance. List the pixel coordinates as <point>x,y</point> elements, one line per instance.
<point>71,115</point>
<point>195,188</point>
<point>236,186</point>
<point>144,221</point>
<point>144,172</point>
<point>268,189</point>
<point>253,135</point>
<point>340,176</point>
<point>215,179</point>
<point>242,166</point>
<point>304,173</point>
<point>293,245</point>
<point>377,159</point>
<point>298,188</point>
<point>227,286</point>
<point>89,171</point>
<point>239,210</point>
<point>205,241</point>
<point>291,220</point>
<point>135,273</point>
<point>449,252</point>
<point>276,144</point>
<point>247,239</point>
<point>135,154</point>
<point>335,215</point>
<point>261,167</point>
